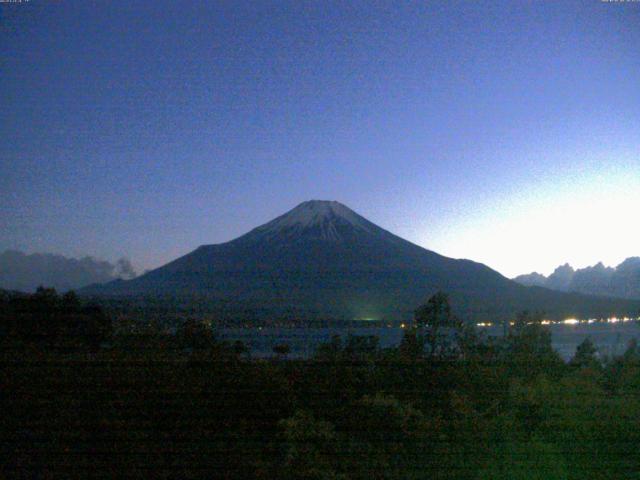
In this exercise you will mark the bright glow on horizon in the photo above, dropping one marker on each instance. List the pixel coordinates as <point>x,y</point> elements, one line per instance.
<point>580,221</point>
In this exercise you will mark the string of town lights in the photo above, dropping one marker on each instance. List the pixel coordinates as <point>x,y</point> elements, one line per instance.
<point>573,321</point>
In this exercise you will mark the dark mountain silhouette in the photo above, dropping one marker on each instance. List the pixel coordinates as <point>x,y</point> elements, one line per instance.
<point>322,260</point>
<point>622,281</point>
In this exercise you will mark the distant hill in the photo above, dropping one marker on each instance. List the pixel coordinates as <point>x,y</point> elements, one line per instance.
<point>622,281</point>
<point>322,260</point>
<point>19,271</point>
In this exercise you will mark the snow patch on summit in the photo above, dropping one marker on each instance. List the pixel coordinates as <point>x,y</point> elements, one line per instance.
<point>317,214</point>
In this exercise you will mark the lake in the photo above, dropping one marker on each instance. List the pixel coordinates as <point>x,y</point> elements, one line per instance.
<point>610,338</point>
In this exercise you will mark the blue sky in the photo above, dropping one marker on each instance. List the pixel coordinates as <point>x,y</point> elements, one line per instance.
<point>505,132</point>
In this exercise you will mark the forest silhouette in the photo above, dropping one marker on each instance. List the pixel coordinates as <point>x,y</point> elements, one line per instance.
<point>94,397</point>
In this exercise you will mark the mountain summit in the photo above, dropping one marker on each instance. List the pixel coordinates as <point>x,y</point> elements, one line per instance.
<point>622,281</point>
<point>322,260</point>
<point>321,219</point>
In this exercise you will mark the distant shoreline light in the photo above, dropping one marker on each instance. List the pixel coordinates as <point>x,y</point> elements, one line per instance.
<point>572,321</point>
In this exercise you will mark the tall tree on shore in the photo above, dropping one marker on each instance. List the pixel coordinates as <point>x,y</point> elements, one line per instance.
<point>437,318</point>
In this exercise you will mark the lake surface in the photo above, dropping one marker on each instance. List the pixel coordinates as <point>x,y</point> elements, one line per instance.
<point>610,338</point>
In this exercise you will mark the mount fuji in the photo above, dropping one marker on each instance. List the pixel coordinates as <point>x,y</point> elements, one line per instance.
<point>322,260</point>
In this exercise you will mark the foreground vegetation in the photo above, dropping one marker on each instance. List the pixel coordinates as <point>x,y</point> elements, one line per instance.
<point>82,400</point>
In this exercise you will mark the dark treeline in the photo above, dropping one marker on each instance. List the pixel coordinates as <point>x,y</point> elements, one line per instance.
<point>48,319</point>
<point>444,404</point>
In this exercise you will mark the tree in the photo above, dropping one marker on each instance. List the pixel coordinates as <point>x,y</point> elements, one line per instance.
<point>437,318</point>
<point>308,447</point>
<point>70,303</point>
<point>240,349</point>
<point>47,319</point>
<point>94,326</point>
<point>528,349</point>
<point>331,350</point>
<point>525,318</point>
<point>632,353</point>
<point>586,355</point>
<point>361,346</point>
<point>195,335</point>
<point>411,345</point>
<point>390,436</point>
<point>282,350</point>
<point>623,373</point>
<point>45,299</point>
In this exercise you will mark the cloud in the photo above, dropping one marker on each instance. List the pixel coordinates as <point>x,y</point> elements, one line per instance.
<point>124,269</point>
<point>19,271</point>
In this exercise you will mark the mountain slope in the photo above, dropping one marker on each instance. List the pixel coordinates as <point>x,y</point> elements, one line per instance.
<point>323,260</point>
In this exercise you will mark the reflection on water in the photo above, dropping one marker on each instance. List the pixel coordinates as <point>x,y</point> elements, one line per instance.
<point>610,336</point>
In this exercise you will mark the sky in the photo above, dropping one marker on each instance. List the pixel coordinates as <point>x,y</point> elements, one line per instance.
<point>503,132</point>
